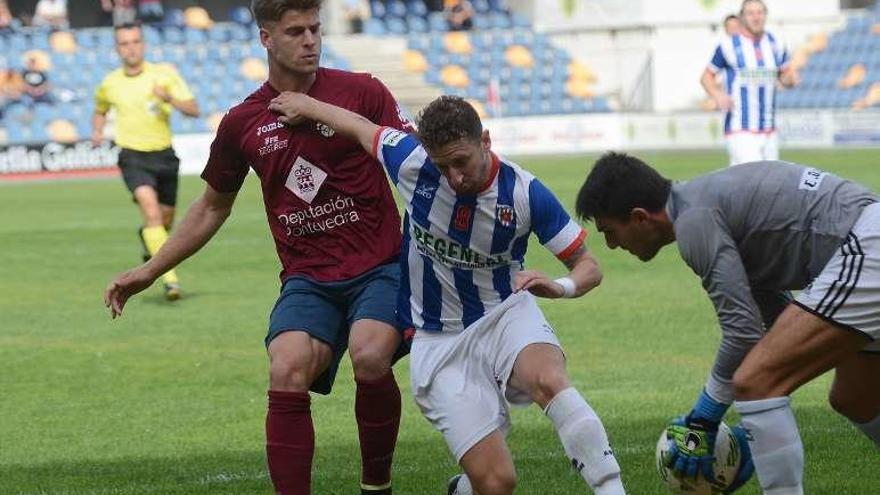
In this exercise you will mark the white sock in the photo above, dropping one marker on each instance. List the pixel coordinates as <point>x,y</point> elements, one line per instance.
<point>585,442</point>
<point>871,429</point>
<point>775,443</point>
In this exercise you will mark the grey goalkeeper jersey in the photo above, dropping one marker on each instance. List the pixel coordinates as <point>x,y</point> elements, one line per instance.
<point>752,232</point>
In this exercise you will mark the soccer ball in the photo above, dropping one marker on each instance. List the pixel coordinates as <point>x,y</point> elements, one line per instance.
<point>728,456</point>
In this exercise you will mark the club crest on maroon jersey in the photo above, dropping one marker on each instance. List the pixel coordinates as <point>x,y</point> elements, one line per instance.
<point>305,179</point>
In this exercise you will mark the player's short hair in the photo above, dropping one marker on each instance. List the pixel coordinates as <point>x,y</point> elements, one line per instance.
<point>127,25</point>
<point>619,183</point>
<point>742,7</point>
<point>266,11</point>
<point>731,17</point>
<point>448,119</point>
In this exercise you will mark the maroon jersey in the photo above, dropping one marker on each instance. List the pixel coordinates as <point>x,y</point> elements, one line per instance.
<point>328,203</point>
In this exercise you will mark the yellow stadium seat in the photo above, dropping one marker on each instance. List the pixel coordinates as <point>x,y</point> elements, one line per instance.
<point>872,97</point>
<point>455,76</point>
<point>197,18</point>
<point>414,61</point>
<point>44,61</point>
<point>519,56</point>
<point>254,69</point>
<point>62,131</point>
<point>579,88</point>
<point>213,120</point>
<point>854,76</point>
<point>817,43</point>
<point>62,42</point>
<point>578,70</point>
<point>481,110</point>
<point>458,42</point>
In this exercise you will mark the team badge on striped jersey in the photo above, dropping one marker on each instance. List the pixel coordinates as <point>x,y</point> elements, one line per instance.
<point>505,215</point>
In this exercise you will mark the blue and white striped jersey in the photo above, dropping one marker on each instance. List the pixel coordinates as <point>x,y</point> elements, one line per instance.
<point>751,68</point>
<point>460,253</point>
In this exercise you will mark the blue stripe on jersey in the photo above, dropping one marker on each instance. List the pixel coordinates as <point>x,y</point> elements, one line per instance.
<point>404,308</point>
<point>518,251</point>
<point>738,49</point>
<point>432,297</point>
<point>424,194</point>
<point>718,59</point>
<point>503,235</point>
<point>761,91</point>
<point>744,107</point>
<point>432,293</point>
<point>548,216</point>
<point>395,154</point>
<point>460,227</point>
<point>728,117</point>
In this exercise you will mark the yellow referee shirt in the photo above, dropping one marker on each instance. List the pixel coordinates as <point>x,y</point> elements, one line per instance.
<point>142,119</point>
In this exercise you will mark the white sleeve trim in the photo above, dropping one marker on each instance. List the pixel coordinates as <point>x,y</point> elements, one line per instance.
<point>563,240</point>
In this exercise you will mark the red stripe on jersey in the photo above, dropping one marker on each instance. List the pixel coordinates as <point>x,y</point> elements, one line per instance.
<point>496,165</point>
<point>376,141</point>
<point>575,244</point>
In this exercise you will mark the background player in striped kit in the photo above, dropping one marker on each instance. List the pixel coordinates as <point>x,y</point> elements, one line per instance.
<point>753,61</point>
<point>481,342</point>
<point>752,233</point>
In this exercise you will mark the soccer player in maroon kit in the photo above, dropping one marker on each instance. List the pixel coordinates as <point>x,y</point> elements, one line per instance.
<point>337,233</point>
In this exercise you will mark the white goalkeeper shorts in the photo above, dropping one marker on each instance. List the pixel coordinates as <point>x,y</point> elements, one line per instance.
<point>747,146</point>
<point>460,379</point>
<point>847,291</point>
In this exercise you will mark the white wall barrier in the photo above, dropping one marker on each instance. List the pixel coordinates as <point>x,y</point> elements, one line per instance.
<point>542,135</point>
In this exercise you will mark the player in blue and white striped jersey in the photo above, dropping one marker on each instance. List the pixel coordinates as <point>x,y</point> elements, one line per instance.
<point>481,341</point>
<point>752,61</point>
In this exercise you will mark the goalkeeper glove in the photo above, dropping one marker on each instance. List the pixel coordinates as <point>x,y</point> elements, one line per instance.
<point>692,439</point>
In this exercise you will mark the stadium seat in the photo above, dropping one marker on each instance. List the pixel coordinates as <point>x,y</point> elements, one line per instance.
<point>241,16</point>
<point>174,18</point>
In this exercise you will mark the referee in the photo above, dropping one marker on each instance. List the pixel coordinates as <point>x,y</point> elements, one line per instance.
<point>144,95</point>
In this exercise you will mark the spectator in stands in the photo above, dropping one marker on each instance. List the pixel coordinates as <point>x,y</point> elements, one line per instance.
<point>5,17</point>
<point>124,11</point>
<point>732,25</point>
<point>36,83</point>
<point>51,13</point>
<point>150,10</point>
<point>356,12</point>
<point>459,14</point>
<point>10,88</point>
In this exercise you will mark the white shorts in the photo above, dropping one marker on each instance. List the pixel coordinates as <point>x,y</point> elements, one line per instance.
<point>460,379</point>
<point>847,291</point>
<point>752,147</point>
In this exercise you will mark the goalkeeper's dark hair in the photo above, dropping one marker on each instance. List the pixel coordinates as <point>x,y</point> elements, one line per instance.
<point>448,119</point>
<point>619,183</point>
<point>267,11</point>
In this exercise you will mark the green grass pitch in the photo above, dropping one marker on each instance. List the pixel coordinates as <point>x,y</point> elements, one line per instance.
<point>170,399</point>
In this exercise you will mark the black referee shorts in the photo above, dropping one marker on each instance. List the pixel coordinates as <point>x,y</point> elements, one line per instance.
<point>157,169</point>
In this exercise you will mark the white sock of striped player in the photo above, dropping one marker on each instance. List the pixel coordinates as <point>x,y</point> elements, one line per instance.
<point>585,442</point>
<point>871,429</point>
<point>775,443</point>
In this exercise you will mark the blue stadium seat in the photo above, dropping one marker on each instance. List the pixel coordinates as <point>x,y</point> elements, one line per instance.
<point>174,18</point>
<point>395,25</point>
<point>374,27</point>
<point>241,15</point>
<point>395,8</point>
<point>417,8</point>
<point>377,9</point>
<point>437,21</point>
<point>417,24</point>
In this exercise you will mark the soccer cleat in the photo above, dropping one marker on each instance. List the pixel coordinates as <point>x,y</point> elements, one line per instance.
<point>380,491</point>
<point>459,485</point>
<point>172,292</point>
<point>145,255</point>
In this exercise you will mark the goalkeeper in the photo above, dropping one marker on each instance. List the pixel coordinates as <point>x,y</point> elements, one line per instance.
<point>752,233</point>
